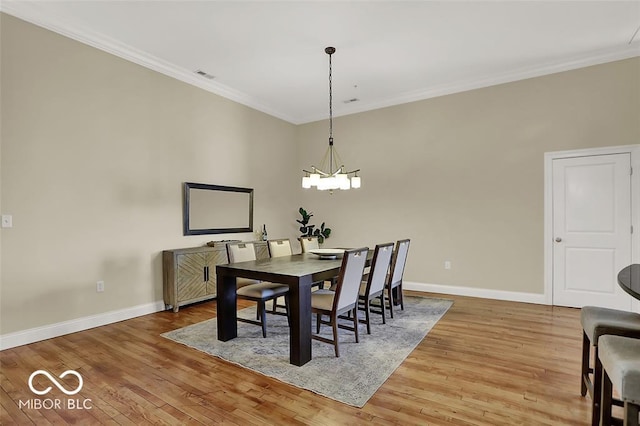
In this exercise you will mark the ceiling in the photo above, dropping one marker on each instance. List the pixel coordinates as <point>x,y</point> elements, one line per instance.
<point>270,56</point>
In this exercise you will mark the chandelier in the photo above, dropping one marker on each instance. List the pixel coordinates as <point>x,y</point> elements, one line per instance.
<point>331,174</point>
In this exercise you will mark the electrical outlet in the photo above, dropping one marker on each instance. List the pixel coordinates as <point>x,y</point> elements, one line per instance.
<point>447,264</point>
<point>7,221</point>
<point>100,286</point>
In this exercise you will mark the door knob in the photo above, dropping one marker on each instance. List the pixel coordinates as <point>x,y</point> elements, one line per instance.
<point>558,239</point>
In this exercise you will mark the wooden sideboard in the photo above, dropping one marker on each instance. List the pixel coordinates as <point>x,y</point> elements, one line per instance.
<point>189,274</point>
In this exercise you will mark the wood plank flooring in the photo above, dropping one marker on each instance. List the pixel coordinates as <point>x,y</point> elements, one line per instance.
<point>486,362</point>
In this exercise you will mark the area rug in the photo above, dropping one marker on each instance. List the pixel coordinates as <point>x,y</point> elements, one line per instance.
<point>352,378</point>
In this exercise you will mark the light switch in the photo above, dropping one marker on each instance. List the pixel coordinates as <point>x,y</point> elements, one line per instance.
<point>7,221</point>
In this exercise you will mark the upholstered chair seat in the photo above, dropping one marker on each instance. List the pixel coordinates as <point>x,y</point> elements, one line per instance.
<point>263,290</point>
<point>323,300</point>
<point>363,289</point>
<point>242,282</point>
<point>620,361</point>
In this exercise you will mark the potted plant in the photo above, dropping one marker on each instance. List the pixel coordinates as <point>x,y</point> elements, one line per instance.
<point>308,230</point>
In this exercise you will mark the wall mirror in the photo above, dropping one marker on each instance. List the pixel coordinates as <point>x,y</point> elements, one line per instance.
<point>215,209</point>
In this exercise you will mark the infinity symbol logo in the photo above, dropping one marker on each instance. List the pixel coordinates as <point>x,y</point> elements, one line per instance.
<point>55,382</point>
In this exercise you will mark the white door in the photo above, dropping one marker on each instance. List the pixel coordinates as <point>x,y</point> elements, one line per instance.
<point>591,230</point>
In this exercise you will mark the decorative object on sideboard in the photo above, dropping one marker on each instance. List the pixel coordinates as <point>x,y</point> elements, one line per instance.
<point>331,174</point>
<point>220,243</point>
<point>308,230</point>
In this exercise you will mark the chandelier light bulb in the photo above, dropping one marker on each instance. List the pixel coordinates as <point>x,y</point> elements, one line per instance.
<point>314,179</point>
<point>306,182</point>
<point>355,182</point>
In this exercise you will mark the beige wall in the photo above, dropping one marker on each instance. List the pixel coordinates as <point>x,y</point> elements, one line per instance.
<point>462,175</point>
<point>94,152</point>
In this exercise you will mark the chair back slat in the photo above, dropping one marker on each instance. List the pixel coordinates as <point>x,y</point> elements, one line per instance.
<point>281,247</point>
<point>379,267</point>
<point>241,252</point>
<point>399,261</point>
<point>350,278</point>
<point>308,243</point>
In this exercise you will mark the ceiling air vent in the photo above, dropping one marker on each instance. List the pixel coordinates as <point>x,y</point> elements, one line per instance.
<point>205,74</point>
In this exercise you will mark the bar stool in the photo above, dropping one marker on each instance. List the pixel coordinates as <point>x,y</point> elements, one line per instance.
<point>620,361</point>
<point>597,322</point>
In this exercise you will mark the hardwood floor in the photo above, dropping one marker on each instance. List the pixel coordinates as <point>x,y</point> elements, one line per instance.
<point>486,362</point>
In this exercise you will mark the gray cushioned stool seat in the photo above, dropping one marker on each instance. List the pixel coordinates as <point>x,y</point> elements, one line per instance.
<point>620,363</point>
<point>597,322</point>
<point>620,357</point>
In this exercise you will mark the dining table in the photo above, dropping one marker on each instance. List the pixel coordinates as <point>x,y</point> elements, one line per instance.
<point>298,272</point>
<point>629,280</point>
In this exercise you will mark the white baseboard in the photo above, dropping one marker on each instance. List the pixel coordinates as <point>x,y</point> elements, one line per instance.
<point>484,293</point>
<point>37,334</point>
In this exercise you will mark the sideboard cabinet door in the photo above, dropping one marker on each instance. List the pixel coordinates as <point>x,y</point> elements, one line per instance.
<point>213,258</point>
<point>190,274</point>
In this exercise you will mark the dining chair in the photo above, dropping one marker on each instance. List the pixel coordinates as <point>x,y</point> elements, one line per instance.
<point>620,364</point>
<point>344,299</point>
<point>239,251</point>
<point>373,286</point>
<point>597,322</point>
<point>279,247</point>
<point>257,291</point>
<point>394,281</point>
<point>308,243</point>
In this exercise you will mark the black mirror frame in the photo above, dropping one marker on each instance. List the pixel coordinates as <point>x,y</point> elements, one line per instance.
<point>186,206</point>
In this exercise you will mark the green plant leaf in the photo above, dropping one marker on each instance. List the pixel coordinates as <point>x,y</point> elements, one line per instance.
<point>307,230</point>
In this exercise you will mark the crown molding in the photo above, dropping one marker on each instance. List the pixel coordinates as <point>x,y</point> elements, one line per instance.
<point>568,64</point>
<point>32,13</point>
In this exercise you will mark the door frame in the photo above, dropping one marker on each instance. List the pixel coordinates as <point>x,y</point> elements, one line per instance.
<point>634,151</point>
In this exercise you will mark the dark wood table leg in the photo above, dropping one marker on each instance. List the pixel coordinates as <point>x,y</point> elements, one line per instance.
<point>227,310</point>
<point>300,305</point>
